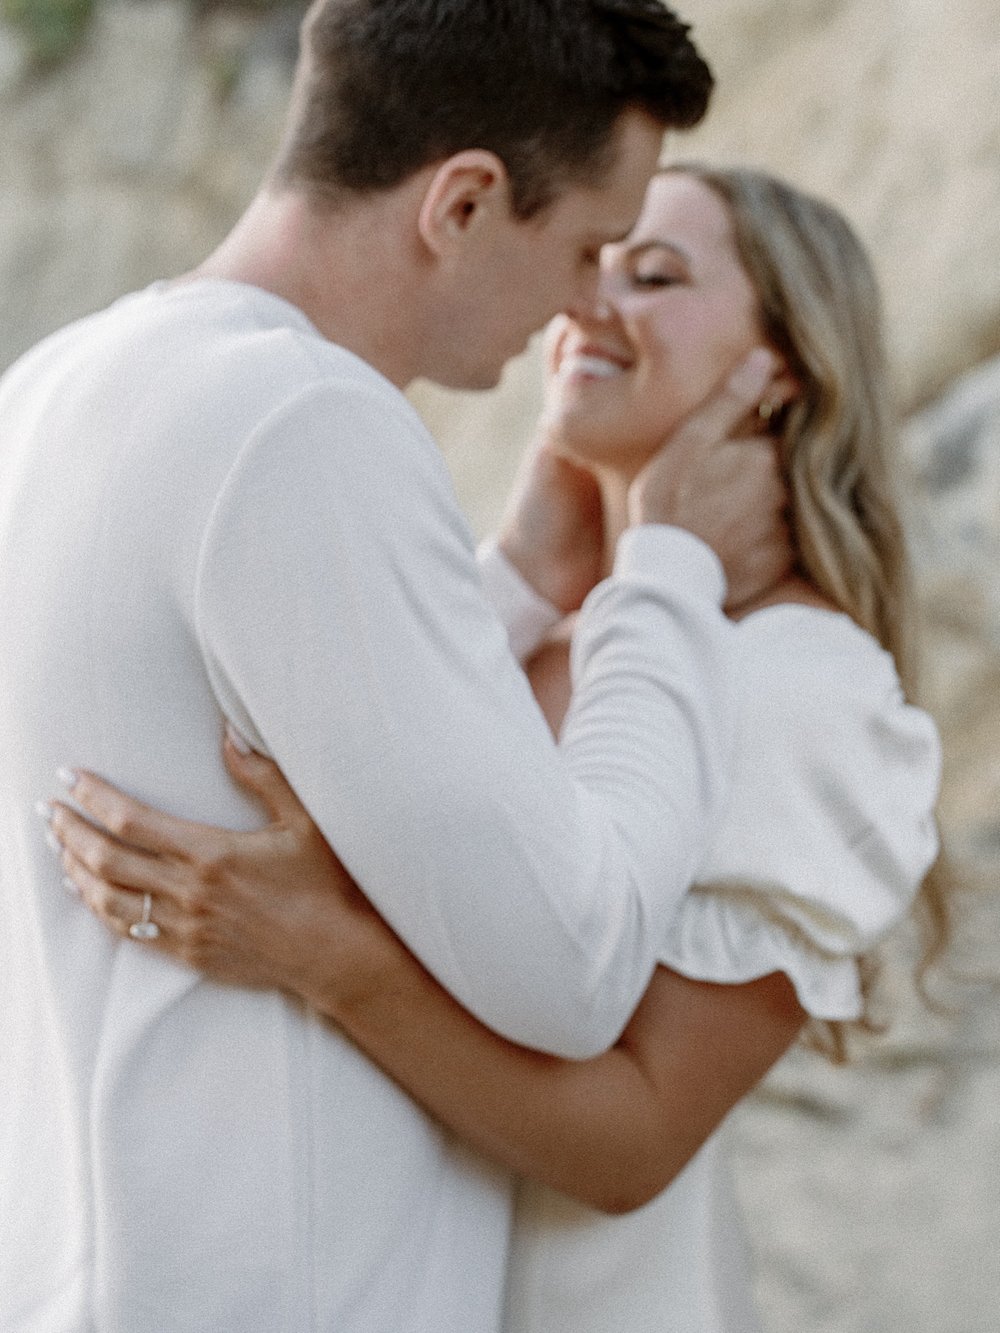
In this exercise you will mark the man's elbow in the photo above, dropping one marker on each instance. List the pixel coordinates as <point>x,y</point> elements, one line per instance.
<point>567,1040</point>
<point>565,994</point>
<point>571,1027</point>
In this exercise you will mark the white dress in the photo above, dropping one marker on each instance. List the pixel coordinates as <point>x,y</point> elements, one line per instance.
<point>827,835</point>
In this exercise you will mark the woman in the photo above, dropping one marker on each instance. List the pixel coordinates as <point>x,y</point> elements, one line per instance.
<point>827,838</point>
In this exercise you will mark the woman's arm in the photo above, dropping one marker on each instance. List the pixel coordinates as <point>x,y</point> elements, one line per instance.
<point>612,1131</point>
<point>276,909</point>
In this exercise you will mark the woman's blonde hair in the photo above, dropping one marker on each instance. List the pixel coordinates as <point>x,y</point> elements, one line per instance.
<point>819,306</point>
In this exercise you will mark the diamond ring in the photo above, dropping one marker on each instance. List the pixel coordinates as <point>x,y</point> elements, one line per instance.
<point>145,928</point>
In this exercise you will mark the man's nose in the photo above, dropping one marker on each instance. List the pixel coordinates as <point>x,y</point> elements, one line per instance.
<point>592,304</point>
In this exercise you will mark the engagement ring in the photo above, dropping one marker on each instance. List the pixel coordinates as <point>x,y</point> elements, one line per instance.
<point>145,928</point>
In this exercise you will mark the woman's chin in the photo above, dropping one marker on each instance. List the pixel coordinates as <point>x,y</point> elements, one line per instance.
<point>600,434</point>
<point>583,426</point>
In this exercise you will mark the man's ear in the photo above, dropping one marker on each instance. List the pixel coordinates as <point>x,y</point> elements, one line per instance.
<point>468,191</point>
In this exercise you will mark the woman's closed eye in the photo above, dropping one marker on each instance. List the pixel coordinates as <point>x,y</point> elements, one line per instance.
<point>655,279</point>
<point>655,264</point>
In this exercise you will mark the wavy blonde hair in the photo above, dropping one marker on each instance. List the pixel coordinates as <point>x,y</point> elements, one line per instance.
<point>819,306</point>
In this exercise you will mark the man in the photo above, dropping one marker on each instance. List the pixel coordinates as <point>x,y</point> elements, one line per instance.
<point>215,503</point>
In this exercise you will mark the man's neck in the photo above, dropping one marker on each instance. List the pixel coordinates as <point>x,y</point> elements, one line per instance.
<point>345,270</point>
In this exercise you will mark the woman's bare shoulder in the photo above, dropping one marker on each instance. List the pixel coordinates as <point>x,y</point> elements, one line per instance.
<point>793,590</point>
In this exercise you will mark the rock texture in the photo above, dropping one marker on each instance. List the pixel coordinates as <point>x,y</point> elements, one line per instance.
<point>129,162</point>
<point>953,447</point>
<point>890,111</point>
<point>872,1192</point>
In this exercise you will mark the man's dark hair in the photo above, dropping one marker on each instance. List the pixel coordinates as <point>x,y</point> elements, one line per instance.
<point>386,87</point>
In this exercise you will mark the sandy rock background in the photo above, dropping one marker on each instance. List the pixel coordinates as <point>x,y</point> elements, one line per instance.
<point>873,1192</point>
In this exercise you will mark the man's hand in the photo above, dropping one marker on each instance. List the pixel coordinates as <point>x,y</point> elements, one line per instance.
<point>724,488</point>
<point>553,530</point>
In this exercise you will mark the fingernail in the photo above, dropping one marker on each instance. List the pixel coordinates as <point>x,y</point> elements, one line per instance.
<point>44,811</point>
<point>71,887</point>
<point>68,777</point>
<point>236,740</point>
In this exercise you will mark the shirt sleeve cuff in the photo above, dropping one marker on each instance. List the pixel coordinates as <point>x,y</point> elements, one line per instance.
<point>671,555</point>
<point>526,616</point>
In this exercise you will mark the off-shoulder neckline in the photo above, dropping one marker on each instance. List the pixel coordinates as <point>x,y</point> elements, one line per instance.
<point>802,608</point>
<point>821,621</point>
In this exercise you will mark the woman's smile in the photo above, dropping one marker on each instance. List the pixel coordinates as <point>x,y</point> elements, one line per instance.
<point>676,313</point>
<point>589,361</point>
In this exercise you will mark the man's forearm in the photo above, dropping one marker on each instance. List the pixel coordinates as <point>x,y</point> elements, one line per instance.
<point>534,884</point>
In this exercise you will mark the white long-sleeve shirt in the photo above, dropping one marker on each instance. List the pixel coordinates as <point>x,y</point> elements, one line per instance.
<point>207,510</point>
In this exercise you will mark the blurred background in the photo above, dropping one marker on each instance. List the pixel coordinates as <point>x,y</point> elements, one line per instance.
<point>134,131</point>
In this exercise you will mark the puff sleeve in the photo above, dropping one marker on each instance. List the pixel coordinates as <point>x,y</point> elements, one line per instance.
<point>829,828</point>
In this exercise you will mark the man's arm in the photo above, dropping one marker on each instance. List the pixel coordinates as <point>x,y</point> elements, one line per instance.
<point>274,908</point>
<point>343,623</point>
<point>345,630</point>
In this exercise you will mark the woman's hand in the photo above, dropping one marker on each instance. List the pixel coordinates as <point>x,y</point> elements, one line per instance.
<point>272,908</point>
<point>553,528</point>
<point>275,908</point>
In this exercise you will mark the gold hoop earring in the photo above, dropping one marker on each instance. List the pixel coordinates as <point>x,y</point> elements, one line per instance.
<point>766,410</point>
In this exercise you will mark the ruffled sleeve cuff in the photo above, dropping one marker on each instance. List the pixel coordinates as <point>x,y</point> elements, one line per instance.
<point>719,938</point>
<point>829,829</point>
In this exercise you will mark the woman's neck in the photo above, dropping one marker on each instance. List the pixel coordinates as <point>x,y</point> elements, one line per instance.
<point>614,487</point>
<point>792,587</point>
